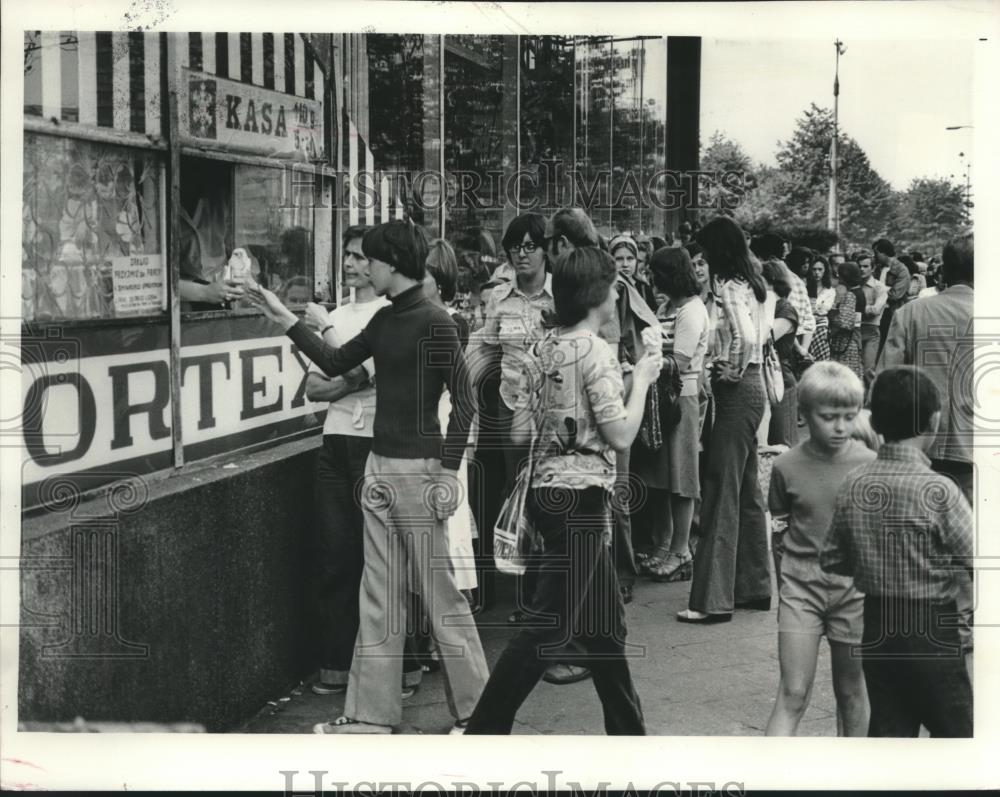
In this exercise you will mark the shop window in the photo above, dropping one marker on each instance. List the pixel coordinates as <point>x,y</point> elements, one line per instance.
<point>640,67</point>
<point>547,110</point>
<point>273,221</point>
<point>480,151</point>
<point>404,107</point>
<point>91,240</point>
<point>595,81</point>
<point>265,212</point>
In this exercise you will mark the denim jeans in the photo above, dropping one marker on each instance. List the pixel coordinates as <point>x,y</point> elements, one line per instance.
<point>576,594</point>
<point>731,563</point>
<point>340,557</point>
<point>784,425</point>
<point>869,350</point>
<point>623,551</point>
<point>915,672</point>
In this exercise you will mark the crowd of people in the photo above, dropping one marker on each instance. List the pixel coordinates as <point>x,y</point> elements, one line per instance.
<point>611,402</point>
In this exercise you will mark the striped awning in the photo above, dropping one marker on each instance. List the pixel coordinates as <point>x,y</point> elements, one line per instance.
<point>104,79</point>
<point>112,80</point>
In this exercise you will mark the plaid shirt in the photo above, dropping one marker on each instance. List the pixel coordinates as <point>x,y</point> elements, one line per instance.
<point>799,299</point>
<point>740,344</point>
<point>899,528</point>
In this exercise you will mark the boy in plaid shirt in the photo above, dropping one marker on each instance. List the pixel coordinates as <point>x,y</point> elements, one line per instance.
<point>901,531</point>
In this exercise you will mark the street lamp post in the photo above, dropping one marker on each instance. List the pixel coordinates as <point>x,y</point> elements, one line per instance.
<point>833,210</point>
<point>968,185</point>
<point>968,173</point>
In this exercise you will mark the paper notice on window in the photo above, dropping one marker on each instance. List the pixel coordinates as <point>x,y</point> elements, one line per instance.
<point>139,284</point>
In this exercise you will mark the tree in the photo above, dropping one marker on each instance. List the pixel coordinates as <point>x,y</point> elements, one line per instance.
<point>777,201</point>
<point>928,213</point>
<point>723,155</point>
<point>867,203</point>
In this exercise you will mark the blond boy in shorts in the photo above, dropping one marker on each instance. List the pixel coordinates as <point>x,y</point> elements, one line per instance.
<point>805,481</point>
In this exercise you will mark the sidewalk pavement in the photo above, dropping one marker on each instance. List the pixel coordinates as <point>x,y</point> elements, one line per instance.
<point>693,680</point>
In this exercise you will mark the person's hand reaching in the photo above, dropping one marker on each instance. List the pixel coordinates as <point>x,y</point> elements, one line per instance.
<point>270,304</point>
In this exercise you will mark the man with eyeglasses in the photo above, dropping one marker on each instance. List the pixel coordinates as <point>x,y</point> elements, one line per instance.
<point>513,323</point>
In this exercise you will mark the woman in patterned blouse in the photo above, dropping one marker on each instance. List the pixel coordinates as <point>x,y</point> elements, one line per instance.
<point>731,563</point>
<point>572,402</point>
<point>819,286</point>
<point>845,318</point>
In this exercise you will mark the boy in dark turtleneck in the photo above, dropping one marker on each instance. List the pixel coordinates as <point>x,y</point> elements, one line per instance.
<point>410,486</point>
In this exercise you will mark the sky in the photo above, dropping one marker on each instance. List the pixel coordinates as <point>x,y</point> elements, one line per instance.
<point>896,98</point>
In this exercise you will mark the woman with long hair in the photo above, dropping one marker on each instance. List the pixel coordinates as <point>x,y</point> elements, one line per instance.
<point>731,565</point>
<point>845,318</point>
<point>819,286</point>
<point>572,402</point>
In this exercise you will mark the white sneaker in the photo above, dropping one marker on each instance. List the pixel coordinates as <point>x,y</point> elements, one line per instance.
<point>348,725</point>
<point>458,729</point>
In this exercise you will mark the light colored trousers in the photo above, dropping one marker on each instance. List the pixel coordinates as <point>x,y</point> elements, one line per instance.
<point>406,547</point>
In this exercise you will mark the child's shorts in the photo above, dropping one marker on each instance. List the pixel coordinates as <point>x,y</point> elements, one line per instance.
<point>814,602</point>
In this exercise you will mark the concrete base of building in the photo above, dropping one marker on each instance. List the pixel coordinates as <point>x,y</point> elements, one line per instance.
<point>184,601</point>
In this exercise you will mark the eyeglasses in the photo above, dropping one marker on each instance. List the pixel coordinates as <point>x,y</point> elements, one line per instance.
<point>529,248</point>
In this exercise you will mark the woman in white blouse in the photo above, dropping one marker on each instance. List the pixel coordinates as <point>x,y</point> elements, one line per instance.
<point>731,564</point>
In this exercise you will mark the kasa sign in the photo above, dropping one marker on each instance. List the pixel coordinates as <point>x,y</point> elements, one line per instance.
<point>247,118</point>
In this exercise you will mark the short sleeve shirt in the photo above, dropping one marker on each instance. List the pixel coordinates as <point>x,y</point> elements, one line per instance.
<point>690,335</point>
<point>804,486</point>
<point>514,322</point>
<point>354,414</point>
<point>578,385</point>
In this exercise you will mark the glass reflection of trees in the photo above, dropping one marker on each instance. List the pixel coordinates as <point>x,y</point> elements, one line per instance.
<point>615,87</point>
<point>480,148</point>
<point>404,112</point>
<point>547,108</point>
<point>621,97</point>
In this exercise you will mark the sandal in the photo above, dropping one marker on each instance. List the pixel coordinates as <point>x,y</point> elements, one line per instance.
<point>673,567</point>
<point>648,564</point>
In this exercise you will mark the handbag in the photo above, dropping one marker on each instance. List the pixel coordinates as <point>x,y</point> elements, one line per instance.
<point>651,428</point>
<point>774,382</point>
<point>513,534</point>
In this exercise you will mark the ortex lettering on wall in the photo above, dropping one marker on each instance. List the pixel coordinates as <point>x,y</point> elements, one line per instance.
<point>98,410</point>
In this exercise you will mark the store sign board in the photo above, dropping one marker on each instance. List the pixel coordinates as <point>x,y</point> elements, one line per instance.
<point>96,411</point>
<point>247,118</point>
<point>140,285</point>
